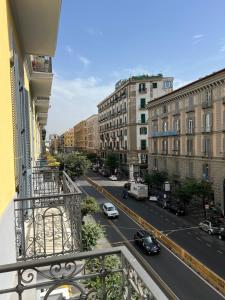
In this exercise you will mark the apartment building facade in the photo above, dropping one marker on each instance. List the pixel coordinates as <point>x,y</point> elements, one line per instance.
<point>69,141</point>
<point>53,143</point>
<point>92,130</point>
<point>26,47</point>
<point>80,136</point>
<point>187,133</point>
<point>123,118</point>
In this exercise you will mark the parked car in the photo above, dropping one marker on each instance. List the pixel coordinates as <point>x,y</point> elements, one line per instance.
<point>221,233</point>
<point>110,210</point>
<point>113,177</point>
<point>147,242</point>
<point>176,208</point>
<point>153,198</point>
<point>211,228</point>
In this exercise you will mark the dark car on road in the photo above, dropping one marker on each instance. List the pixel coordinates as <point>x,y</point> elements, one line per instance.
<point>176,208</point>
<point>147,242</point>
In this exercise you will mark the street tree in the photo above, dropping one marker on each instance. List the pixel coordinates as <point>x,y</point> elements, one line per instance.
<point>89,205</point>
<point>76,164</point>
<point>158,178</point>
<point>90,233</point>
<point>112,162</point>
<point>204,192</point>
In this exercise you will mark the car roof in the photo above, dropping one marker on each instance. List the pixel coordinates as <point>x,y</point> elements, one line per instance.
<point>109,204</point>
<point>145,233</point>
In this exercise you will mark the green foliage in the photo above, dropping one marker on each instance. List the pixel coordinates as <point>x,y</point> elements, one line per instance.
<point>112,162</point>
<point>156,178</point>
<point>91,232</point>
<point>89,205</point>
<point>76,163</point>
<point>192,188</point>
<point>92,157</point>
<point>113,281</point>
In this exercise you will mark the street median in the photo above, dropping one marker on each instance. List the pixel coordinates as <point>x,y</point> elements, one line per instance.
<point>215,280</point>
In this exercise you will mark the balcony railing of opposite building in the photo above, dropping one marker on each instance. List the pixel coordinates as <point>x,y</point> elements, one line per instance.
<point>206,129</point>
<point>41,63</point>
<point>142,91</point>
<point>207,154</point>
<point>77,272</point>
<point>206,104</point>
<point>164,133</point>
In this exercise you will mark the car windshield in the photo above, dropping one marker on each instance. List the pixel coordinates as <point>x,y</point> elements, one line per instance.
<point>111,208</point>
<point>149,240</point>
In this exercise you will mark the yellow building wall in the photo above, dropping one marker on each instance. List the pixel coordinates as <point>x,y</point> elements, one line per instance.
<point>7,177</point>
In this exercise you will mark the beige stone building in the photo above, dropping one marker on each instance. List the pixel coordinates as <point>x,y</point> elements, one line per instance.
<point>54,143</point>
<point>187,132</point>
<point>69,141</point>
<point>123,118</point>
<point>80,136</point>
<point>92,130</point>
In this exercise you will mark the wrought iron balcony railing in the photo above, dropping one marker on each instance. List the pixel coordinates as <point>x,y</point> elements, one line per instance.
<point>86,275</point>
<point>50,222</point>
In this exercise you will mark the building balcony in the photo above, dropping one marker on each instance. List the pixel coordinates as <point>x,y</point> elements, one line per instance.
<point>37,24</point>
<point>42,104</point>
<point>40,69</point>
<point>49,223</point>
<point>190,109</point>
<point>206,104</point>
<point>142,91</point>
<point>76,273</point>
<point>42,118</point>
<point>207,154</point>
<point>206,129</point>
<point>165,133</point>
<point>142,122</point>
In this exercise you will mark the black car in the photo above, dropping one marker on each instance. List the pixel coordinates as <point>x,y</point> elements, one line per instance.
<point>147,242</point>
<point>221,233</point>
<point>176,208</point>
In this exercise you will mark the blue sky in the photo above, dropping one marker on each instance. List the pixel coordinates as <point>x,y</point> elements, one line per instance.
<point>102,41</point>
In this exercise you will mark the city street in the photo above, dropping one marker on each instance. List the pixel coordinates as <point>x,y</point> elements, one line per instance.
<point>181,279</point>
<point>208,249</point>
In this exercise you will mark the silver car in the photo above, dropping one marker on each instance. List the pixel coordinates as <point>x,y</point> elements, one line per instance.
<point>209,227</point>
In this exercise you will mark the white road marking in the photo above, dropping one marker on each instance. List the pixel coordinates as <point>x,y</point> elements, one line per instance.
<point>206,282</point>
<point>208,245</point>
<point>220,252</point>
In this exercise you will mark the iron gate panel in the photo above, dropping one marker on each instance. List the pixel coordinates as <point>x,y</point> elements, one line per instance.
<point>47,225</point>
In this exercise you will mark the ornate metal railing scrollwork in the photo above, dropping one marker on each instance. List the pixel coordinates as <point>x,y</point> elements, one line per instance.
<point>85,276</point>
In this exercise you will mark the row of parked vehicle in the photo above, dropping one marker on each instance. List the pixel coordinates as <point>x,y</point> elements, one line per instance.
<point>146,241</point>
<point>213,228</point>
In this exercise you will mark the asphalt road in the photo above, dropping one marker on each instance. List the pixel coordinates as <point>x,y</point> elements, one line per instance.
<point>208,249</point>
<point>182,280</point>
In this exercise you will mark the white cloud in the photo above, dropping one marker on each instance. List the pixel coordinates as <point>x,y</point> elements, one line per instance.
<point>74,100</point>
<point>94,32</point>
<point>128,72</point>
<point>85,61</point>
<point>198,36</point>
<point>69,49</point>
<point>177,83</point>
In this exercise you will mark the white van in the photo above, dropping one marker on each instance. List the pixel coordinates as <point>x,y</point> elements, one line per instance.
<point>138,190</point>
